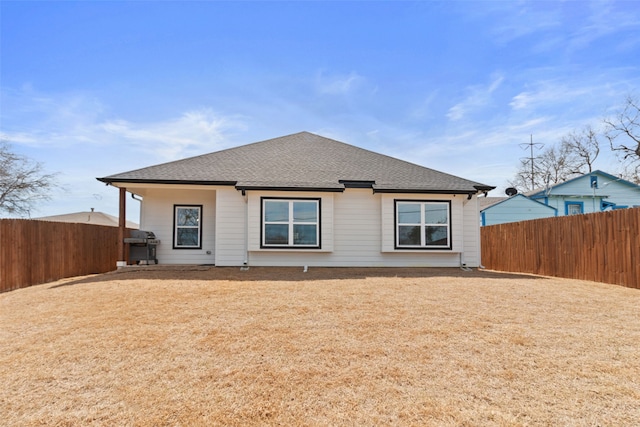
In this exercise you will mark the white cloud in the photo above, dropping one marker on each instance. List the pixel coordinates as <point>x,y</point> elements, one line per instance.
<point>337,85</point>
<point>572,93</point>
<point>564,26</point>
<point>191,133</point>
<point>479,97</point>
<point>605,20</point>
<point>523,18</point>
<point>66,120</point>
<point>425,108</point>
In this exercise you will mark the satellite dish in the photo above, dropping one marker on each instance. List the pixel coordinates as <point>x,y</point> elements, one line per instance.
<point>511,191</point>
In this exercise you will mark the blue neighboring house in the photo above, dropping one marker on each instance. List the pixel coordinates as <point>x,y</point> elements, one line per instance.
<point>593,192</point>
<point>499,210</point>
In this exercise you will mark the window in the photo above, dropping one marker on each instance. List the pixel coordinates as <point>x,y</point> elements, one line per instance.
<point>187,233</point>
<point>290,223</point>
<point>423,225</point>
<point>574,208</point>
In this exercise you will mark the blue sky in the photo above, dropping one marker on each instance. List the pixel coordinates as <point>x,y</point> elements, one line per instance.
<point>91,89</point>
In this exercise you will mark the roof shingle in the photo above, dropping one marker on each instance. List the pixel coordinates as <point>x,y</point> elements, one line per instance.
<point>300,161</point>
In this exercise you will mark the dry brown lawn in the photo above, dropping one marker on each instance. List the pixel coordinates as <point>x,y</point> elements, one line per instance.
<point>331,347</point>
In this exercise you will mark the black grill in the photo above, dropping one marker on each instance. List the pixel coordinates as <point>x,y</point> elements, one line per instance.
<point>142,247</point>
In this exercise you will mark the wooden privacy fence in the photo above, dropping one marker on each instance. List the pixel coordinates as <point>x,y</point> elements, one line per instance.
<point>603,247</point>
<point>33,252</point>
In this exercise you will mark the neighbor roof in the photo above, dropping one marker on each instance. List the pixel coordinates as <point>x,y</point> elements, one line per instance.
<point>485,202</point>
<point>501,200</point>
<point>302,161</point>
<point>88,217</point>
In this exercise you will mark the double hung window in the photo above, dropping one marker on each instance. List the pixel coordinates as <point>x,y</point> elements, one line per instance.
<point>423,224</point>
<point>187,233</point>
<point>290,223</point>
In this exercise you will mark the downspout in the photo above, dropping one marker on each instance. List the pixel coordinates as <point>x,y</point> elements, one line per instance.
<point>245,263</point>
<point>133,196</point>
<point>122,222</point>
<point>463,264</point>
<point>484,221</point>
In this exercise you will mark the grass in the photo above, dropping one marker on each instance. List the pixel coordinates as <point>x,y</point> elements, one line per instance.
<point>216,346</point>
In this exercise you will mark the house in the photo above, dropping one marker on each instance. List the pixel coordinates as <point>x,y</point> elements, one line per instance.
<point>592,192</point>
<point>516,208</point>
<point>88,217</point>
<point>306,200</point>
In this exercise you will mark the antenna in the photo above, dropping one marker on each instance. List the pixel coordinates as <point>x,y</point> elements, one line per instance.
<point>511,191</point>
<point>531,158</point>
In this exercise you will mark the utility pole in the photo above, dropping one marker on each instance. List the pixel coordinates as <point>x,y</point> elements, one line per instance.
<point>531,158</point>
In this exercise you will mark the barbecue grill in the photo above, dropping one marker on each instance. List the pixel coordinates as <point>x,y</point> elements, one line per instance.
<point>142,247</point>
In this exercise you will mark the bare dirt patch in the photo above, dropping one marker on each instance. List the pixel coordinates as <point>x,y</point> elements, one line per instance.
<point>217,346</point>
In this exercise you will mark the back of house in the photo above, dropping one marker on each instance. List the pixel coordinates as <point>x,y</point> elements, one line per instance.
<point>306,200</point>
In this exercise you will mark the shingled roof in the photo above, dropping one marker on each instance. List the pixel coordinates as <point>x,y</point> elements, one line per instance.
<point>302,161</point>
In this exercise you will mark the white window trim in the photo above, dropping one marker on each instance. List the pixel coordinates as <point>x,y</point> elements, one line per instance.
<point>290,223</point>
<point>422,225</point>
<point>176,227</point>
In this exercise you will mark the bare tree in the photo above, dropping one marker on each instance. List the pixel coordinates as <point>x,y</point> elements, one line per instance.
<point>524,179</point>
<point>623,133</point>
<point>554,165</point>
<point>558,164</point>
<point>583,146</point>
<point>22,182</point>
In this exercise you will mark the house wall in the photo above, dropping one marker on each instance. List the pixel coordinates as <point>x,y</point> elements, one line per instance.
<point>357,229</point>
<point>619,193</point>
<point>579,191</point>
<point>471,252</point>
<point>517,208</point>
<point>589,204</point>
<point>231,249</point>
<point>156,215</point>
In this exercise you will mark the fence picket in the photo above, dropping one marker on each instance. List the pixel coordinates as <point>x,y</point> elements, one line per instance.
<point>33,252</point>
<point>603,247</point>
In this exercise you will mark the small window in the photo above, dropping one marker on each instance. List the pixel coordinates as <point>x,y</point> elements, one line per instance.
<point>423,225</point>
<point>574,208</point>
<point>290,223</point>
<point>187,222</point>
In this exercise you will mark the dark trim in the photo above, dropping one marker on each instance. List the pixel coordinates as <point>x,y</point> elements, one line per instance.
<point>164,181</point>
<point>181,205</point>
<point>348,183</point>
<point>421,248</point>
<point>291,247</point>
<point>483,188</point>
<point>345,182</point>
<point>308,189</point>
<point>418,191</point>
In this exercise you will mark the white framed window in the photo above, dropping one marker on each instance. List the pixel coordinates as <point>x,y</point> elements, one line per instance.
<point>187,226</point>
<point>574,208</point>
<point>290,223</point>
<point>422,224</point>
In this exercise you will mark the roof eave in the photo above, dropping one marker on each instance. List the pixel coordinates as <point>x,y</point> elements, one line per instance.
<point>421,191</point>
<point>289,188</point>
<point>109,180</point>
<point>484,188</point>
